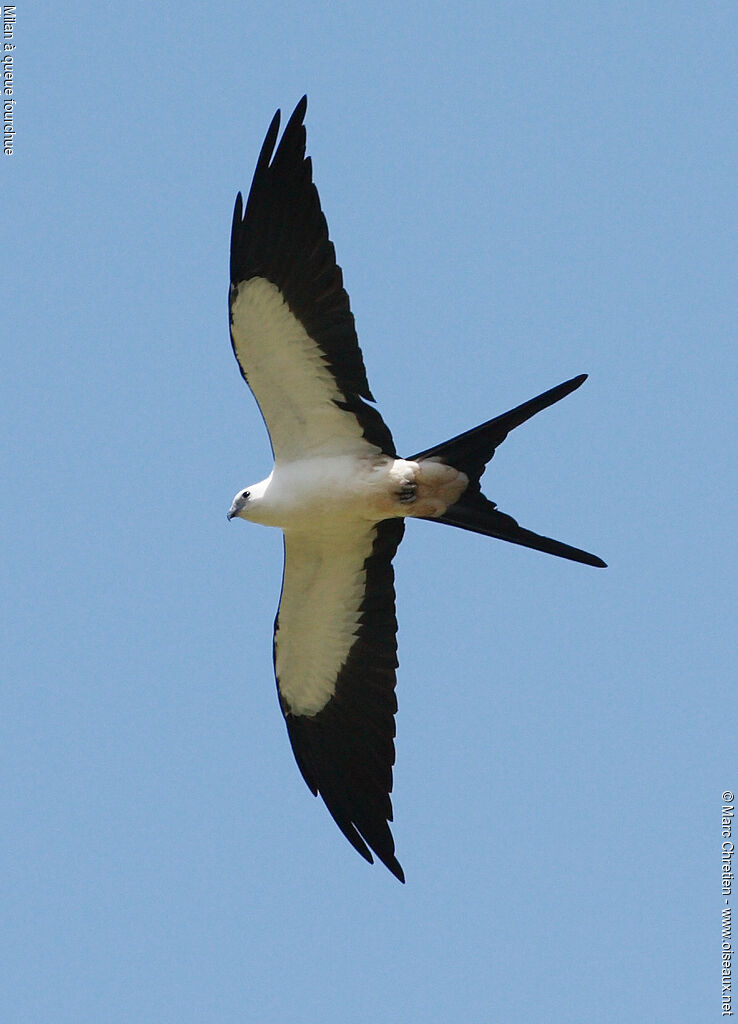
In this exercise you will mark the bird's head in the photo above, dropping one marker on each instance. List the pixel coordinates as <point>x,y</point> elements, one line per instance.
<point>240,505</point>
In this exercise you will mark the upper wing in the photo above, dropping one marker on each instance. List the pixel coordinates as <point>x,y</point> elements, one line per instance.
<point>335,655</point>
<point>292,329</point>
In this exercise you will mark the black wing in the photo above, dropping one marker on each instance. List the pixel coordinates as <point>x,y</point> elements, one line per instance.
<point>335,656</point>
<point>292,329</point>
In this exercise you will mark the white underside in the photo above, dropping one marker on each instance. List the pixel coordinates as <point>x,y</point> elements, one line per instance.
<point>328,509</point>
<point>328,489</point>
<point>323,588</point>
<point>290,379</point>
<point>322,493</point>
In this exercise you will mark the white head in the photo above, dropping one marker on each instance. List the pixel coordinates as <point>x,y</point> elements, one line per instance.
<point>251,503</point>
<point>240,505</point>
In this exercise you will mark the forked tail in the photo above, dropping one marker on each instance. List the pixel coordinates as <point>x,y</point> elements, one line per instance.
<point>471,451</point>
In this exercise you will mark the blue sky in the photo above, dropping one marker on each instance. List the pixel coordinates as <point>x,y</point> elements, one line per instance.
<point>517,193</point>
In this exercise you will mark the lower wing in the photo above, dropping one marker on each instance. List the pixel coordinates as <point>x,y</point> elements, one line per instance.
<point>335,656</point>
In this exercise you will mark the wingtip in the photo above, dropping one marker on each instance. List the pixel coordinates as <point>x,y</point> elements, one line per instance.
<point>298,114</point>
<point>397,872</point>
<point>274,123</point>
<point>393,866</point>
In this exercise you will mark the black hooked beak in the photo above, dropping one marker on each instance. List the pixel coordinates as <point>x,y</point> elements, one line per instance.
<point>238,504</point>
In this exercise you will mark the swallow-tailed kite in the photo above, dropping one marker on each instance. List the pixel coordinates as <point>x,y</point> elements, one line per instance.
<point>339,491</point>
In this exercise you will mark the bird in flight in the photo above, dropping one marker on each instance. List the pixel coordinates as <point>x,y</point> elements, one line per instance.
<point>339,491</point>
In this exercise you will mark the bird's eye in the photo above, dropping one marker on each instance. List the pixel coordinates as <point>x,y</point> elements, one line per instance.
<point>245,495</point>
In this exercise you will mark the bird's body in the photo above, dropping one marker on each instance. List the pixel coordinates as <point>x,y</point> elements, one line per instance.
<point>339,492</point>
<point>314,493</point>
